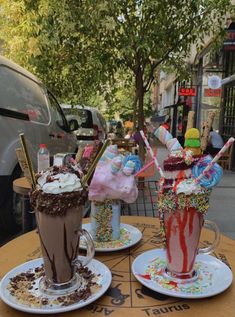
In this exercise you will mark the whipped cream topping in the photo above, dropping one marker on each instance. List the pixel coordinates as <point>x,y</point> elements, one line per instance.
<point>59,183</point>
<point>188,187</point>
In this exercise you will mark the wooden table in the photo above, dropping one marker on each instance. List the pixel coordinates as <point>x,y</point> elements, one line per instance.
<point>22,187</point>
<point>126,297</point>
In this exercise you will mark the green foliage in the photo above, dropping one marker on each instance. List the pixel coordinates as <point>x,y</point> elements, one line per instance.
<point>77,46</point>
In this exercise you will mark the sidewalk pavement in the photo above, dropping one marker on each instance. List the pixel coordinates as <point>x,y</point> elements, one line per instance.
<point>222,200</point>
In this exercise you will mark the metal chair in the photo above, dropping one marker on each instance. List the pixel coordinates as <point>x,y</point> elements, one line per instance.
<point>146,203</point>
<point>226,159</point>
<point>125,144</point>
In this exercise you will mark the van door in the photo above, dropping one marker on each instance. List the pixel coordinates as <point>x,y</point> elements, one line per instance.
<point>24,109</point>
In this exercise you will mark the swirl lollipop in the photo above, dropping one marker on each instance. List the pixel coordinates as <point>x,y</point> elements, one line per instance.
<point>210,177</point>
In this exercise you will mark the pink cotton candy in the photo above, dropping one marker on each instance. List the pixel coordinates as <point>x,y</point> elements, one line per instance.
<point>106,185</point>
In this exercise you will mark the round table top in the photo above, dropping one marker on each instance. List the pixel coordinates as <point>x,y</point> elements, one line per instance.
<point>21,186</point>
<point>126,296</point>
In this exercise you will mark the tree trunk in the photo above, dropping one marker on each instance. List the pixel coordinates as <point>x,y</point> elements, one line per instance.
<point>134,118</point>
<point>140,95</point>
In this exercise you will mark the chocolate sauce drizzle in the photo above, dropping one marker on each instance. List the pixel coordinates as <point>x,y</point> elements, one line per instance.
<point>52,261</point>
<point>66,251</point>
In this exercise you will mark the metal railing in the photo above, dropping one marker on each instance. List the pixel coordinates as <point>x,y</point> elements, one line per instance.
<point>146,203</point>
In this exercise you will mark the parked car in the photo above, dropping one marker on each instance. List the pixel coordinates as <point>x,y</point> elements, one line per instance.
<point>92,125</point>
<point>26,106</point>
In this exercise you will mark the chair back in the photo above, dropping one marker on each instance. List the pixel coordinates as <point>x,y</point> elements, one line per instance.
<point>225,160</point>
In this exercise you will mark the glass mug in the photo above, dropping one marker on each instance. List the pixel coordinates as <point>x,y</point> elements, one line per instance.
<point>182,229</point>
<point>60,237</point>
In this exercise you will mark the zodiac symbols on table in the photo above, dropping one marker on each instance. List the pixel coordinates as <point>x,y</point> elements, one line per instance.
<point>117,297</point>
<point>140,292</point>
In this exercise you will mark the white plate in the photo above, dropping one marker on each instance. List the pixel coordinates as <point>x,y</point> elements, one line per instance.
<point>213,275</point>
<point>104,280</point>
<point>129,236</point>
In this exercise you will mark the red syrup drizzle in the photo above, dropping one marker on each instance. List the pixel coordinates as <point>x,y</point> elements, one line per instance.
<point>180,176</point>
<point>182,223</point>
<point>145,276</point>
<point>168,234</point>
<point>191,217</point>
<point>188,215</point>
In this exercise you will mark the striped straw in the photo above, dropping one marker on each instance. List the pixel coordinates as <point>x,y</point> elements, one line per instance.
<point>152,154</point>
<point>28,160</point>
<point>215,159</point>
<point>91,169</point>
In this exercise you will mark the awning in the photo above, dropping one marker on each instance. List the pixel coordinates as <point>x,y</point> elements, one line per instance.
<point>157,118</point>
<point>228,80</point>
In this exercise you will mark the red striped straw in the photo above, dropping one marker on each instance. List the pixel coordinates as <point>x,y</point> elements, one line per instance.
<point>215,159</point>
<point>149,149</point>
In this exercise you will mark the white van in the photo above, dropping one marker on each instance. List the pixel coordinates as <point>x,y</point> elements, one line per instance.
<point>92,125</point>
<point>26,106</point>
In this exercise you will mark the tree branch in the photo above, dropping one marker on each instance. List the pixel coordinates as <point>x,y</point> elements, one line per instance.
<point>166,55</point>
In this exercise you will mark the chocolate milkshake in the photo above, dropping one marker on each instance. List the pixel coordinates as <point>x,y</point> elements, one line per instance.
<point>58,203</point>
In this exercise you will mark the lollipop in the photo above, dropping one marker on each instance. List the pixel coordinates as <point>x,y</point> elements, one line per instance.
<point>212,176</point>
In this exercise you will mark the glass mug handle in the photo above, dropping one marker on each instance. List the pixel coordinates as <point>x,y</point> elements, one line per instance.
<point>90,249</point>
<point>213,226</point>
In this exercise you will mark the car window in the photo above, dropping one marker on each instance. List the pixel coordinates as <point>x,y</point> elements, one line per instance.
<point>84,118</point>
<point>57,112</point>
<point>102,121</point>
<point>22,94</point>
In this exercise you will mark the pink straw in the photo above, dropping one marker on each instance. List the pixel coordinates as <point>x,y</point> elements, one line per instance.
<point>152,154</point>
<point>215,159</point>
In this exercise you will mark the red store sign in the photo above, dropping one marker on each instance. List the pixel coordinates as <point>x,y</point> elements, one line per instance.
<point>208,92</point>
<point>187,91</point>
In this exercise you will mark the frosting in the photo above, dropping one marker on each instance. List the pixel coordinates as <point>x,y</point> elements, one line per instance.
<point>170,202</point>
<point>212,177</point>
<point>188,187</point>
<point>187,155</point>
<point>51,183</point>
